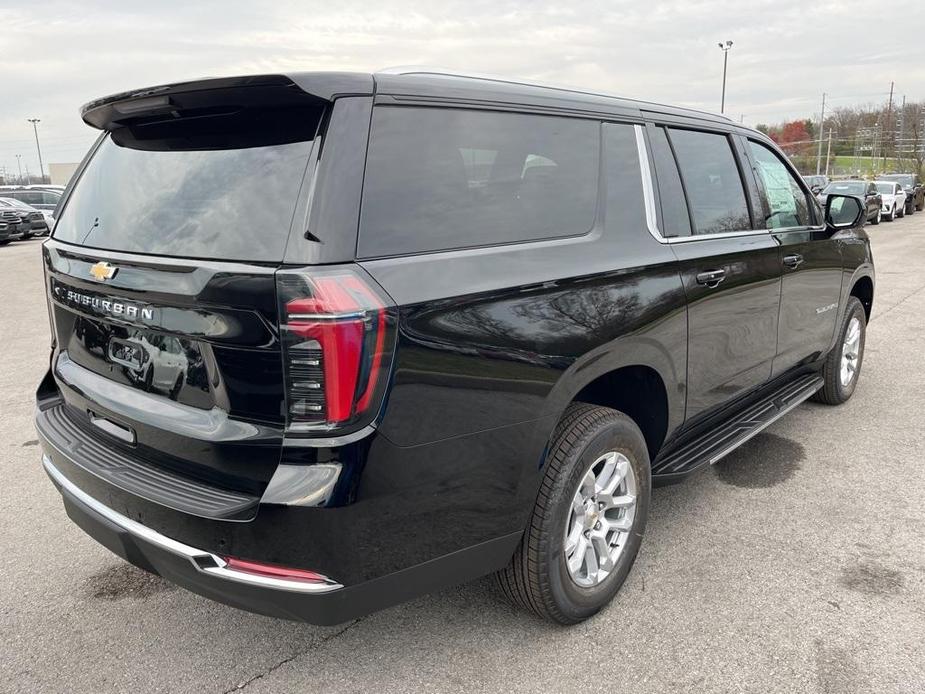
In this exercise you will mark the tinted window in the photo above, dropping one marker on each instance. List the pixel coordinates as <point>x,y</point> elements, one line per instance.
<point>50,198</point>
<point>712,182</point>
<point>787,204</point>
<point>198,204</point>
<point>626,208</point>
<point>438,179</point>
<point>676,220</point>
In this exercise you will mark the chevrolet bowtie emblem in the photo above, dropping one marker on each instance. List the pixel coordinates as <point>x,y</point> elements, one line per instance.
<point>103,271</point>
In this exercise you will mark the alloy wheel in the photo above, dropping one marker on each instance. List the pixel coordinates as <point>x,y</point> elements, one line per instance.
<point>851,352</point>
<point>600,519</point>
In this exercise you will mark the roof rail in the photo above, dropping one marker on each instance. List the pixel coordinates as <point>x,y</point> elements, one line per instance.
<point>445,72</point>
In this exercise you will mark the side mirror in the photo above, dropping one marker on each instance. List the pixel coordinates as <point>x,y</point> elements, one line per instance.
<point>844,212</point>
<point>816,190</point>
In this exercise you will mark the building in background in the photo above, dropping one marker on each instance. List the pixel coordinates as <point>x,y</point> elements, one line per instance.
<point>61,173</point>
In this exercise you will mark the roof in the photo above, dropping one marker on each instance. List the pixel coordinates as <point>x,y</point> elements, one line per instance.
<point>411,82</point>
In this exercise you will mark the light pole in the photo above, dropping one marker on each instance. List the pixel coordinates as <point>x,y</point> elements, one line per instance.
<point>725,48</point>
<point>19,166</point>
<point>35,127</point>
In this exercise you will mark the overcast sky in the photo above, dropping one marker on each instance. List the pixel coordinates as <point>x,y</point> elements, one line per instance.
<point>58,55</point>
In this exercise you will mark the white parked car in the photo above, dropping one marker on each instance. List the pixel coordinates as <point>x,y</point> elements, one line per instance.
<point>894,199</point>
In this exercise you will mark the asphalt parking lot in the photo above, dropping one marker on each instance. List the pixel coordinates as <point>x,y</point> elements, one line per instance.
<point>796,565</point>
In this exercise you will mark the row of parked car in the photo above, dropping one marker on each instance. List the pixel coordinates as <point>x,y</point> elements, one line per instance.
<point>888,197</point>
<point>27,211</point>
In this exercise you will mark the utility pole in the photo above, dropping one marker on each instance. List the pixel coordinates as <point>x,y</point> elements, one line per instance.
<point>35,127</point>
<point>828,153</point>
<point>821,129</point>
<point>889,124</point>
<point>19,166</point>
<point>725,48</point>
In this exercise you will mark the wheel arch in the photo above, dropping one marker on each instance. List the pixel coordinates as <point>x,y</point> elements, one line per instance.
<point>637,376</point>
<point>862,288</point>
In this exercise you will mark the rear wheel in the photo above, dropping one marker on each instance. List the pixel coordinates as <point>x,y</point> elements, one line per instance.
<point>588,520</point>
<point>843,364</point>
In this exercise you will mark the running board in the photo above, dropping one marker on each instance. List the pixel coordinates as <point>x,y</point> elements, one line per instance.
<point>719,441</point>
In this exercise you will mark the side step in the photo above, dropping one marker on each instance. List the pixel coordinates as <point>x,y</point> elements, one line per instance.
<point>714,443</point>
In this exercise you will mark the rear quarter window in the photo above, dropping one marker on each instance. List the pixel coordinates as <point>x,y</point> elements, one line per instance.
<point>442,179</point>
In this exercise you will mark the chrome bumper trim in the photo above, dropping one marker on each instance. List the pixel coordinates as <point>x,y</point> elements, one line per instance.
<point>204,562</point>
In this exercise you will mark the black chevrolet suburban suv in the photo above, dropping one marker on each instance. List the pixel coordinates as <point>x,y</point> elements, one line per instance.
<point>325,341</point>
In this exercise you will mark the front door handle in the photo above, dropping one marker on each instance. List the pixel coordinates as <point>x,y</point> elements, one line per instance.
<point>711,278</point>
<point>793,260</point>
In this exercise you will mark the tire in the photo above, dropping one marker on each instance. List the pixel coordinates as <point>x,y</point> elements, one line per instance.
<point>901,211</point>
<point>911,209</point>
<point>892,215</point>
<point>586,439</point>
<point>876,220</point>
<point>4,242</point>
<point>834,391</point>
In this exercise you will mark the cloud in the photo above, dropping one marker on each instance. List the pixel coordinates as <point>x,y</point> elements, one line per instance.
<point>58,55</point>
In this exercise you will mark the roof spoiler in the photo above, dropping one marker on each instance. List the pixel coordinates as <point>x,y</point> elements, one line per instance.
<point>264,91</point>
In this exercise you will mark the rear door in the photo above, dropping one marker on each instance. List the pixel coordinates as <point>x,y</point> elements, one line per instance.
<point>730,271</point>
<point>810,260</point>
<point>161,277</point>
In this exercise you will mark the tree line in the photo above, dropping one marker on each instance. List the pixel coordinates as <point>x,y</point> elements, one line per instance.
<point>865,140</point>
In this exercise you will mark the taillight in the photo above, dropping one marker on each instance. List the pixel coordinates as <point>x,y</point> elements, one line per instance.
<point>337,346</point>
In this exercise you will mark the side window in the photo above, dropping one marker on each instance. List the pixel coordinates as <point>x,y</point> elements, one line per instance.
<point>711,180</point>
<point>676,220</point>
<point>446,178</point>
<point>626,207</point>
<point>787,204</point>
<point>51,198</point>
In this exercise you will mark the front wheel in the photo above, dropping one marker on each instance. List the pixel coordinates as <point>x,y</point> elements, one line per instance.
<point>876,220</point>
<point>843,364</point>
<point>892,215</point>
<point>588,520</point>
<point>901,211</point>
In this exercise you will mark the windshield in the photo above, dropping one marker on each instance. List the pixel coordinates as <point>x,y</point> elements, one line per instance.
<point>228,204</point>
<point>19,204</point>
<point>902,179</point>
<point>846,188</point>
<point>886,188</point>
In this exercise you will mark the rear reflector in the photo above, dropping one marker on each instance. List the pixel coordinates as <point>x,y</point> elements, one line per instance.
<point>336,345</point>
<point>273,570</point>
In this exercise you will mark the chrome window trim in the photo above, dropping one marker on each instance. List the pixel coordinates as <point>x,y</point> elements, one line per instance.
<point>785,230</point>
<point>648,190</point>
<point>719,235</point>
<point>203,561</point>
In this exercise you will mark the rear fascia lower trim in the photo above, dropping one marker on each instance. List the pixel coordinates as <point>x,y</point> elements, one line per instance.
<point>203,561</point>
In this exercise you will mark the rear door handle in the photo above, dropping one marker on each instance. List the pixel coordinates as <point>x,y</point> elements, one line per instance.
<point>793,260</point>
<point>711,278</point>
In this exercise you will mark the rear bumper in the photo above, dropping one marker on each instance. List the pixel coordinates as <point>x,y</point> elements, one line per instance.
<point>203,572</point>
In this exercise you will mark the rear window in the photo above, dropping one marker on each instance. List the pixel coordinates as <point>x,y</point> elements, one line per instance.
<point>440,179</point>
<point>227,204</point>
